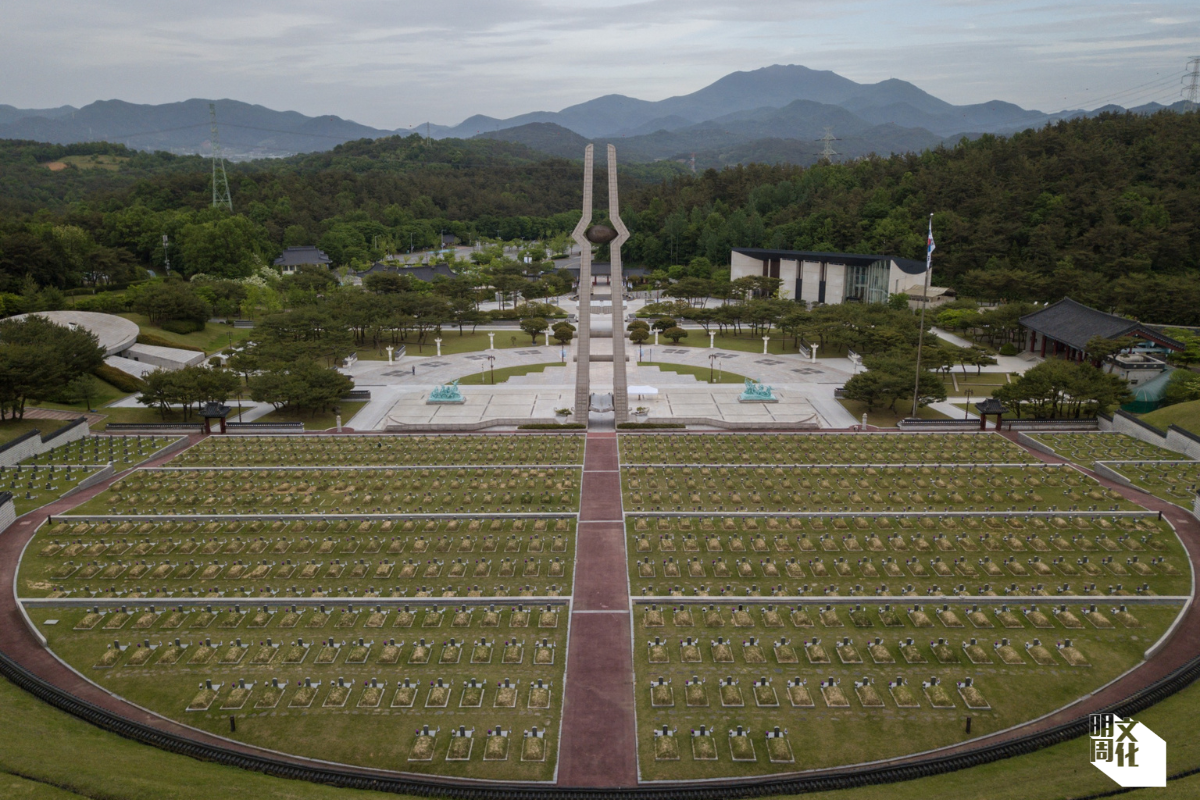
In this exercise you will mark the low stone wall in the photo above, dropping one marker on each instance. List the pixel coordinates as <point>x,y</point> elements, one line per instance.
<point>173,447</point>
<point>8,512</point>
<point>449,427</point>
<point>1174,438</point>
<point>91,480</point>
<point>34,443</point>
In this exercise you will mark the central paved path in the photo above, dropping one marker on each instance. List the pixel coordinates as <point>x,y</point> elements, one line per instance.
<point>599,743</point>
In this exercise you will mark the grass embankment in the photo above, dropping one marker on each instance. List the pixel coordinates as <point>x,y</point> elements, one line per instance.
<point>320,421</point>
<point>887,418</point>
<point>214,337</point>
<point>103,393</point>
<point>699,373</point>
<point>13,428</point>
<point>1185,415</point>
<point>487,377</point>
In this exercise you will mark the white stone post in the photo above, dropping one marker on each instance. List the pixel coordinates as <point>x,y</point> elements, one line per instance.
<point>547,332</point>
<point>656,338</point>
<point>765,340</point>
<point>813,359</point>
<point>711,338</point>
<point>339,423</point>
<point>389,349</point>
<point>438,342</point>
<point>491,341</point>
<point>864,420</point>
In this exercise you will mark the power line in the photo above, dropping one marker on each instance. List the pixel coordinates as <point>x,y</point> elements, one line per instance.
<point>1191,92</point>
<point>221,196</point>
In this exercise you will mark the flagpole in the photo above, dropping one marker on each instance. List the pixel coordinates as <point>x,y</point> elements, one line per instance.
<point>924,303</point>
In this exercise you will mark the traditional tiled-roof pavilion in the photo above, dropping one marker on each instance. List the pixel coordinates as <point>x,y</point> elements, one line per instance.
<point>1065,328</point>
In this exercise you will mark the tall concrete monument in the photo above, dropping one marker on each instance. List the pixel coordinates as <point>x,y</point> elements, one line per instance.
<point>586,235</point>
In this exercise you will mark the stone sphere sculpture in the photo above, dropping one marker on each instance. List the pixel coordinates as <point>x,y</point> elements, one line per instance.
<point>600,234</point>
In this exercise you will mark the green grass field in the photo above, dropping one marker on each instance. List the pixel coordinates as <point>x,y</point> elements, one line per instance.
<point>12,428</point>
<point>486,377</point>
<point>214,337</point>
<point>701,374</point>
<point>453,343</point>
<point>318,421</point>
<point>1185,415</point>
<point>886,417</point>
<point>103,393</point>
<point>779,344</point>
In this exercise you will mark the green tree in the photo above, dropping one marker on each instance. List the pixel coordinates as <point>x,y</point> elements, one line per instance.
<point>675,334</point>
<point>533,326</point>
<point>38,358</point>
<point>172,300</point>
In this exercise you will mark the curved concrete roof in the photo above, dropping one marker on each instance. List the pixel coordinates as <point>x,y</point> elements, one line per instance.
<point>115,333</point>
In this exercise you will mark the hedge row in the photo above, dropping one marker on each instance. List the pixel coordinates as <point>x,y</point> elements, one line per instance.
<point>158,341</point>
<point>119,378</point>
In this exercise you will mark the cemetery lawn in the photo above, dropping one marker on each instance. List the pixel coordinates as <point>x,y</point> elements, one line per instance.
<point>95,763</point>
<point>822,736</point>
<point>379,737</point>
<point>1175,482</point>
<point>401,557</point>
<point>820,448</point>
<point>886,417</point>
<point>699,373</point>
<point>865,490</point>
<point>41,491</point>
<point>485,377</point>
<point>1086,448</point>
<point>349,491</point>
<point>434,450</point>
<point>757,555</point>
<point>122,451</point>
<point>318,421</point>
<point>214,337</point>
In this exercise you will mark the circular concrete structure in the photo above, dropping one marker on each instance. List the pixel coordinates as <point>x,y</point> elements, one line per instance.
<point>116,334</point>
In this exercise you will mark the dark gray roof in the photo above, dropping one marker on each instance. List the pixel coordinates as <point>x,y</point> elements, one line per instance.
<point>299,256</point>
<point>1075,324</point>
<point>422,272</point>
<point>907,265</point>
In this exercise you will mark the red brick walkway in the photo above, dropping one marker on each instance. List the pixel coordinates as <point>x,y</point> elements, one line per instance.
<point>599,742</point>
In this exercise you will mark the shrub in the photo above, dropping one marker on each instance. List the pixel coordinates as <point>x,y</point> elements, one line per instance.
<point>1008,349</point>
<point>675,333</point>
<point>182,326</point>
<point>550,426</point>
<point>158,341</point>
<point>119,378</point>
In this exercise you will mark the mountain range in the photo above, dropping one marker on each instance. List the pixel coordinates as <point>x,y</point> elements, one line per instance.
<point>776,113</point>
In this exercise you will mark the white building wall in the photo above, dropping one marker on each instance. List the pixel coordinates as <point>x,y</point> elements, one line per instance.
<point>789,271</point>
<point>743,266</point>
<point>810,289</point>
<point>835,283</point>
<point>899,280</point>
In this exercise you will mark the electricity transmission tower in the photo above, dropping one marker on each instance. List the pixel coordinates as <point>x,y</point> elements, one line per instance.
<point>1191,91</point>
<point>828,152</point>
<point>221,196</point>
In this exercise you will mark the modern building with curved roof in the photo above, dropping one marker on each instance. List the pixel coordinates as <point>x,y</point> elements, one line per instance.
<point>115,334</point>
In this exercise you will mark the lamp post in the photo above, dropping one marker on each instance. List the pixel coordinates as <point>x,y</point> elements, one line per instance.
<point>712,359</point>
<point>492,367</point>
<point>967,410</point>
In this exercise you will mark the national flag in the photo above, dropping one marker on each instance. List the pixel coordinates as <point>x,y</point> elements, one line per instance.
<point>930,247</point>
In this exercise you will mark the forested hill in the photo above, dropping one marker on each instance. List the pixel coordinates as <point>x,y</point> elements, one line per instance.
<point>1103,209</point>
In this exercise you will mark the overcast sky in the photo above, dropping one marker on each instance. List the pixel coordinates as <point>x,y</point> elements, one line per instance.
<point>396,63</point>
